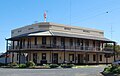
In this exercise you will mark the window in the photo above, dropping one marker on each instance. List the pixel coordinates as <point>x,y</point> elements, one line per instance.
<point>78,42</point>
<point>71,57</point>
<point>12,32</point>
<point>30,28</point>
<point>43,56</point>
<point>66,28</point>
<point>54,40</point>
<point>28,43</point>
<point>87,57</point>
<point>43,40</point>
<point>35,40</point>
<point>17,57</point>
<point>94,44</point>
<point>94,57</point>
<point>99,45</point>
<point>100,57</point>
<point>87,45</point>
<point>101,32</point>
<point>23,42</point>
<point>62,41</point>
<point>19,31</point>
<point>86,31</point>
<point>81,44</point>
<point>71,42</point>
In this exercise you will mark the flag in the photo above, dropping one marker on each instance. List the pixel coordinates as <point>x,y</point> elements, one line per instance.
<point>45,16</point>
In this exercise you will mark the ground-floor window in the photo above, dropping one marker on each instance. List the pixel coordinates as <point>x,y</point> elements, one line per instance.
<point>87,57</point>
<point>94,57</point>
<point>71,57</point>
<point>17,57</point>
<point>100,57</point>
<point>43,56</point>
<point>35,58</point>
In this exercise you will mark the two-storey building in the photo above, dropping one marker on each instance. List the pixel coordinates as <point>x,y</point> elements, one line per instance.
<point>48,42</point>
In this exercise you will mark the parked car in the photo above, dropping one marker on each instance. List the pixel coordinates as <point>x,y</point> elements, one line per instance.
<point>117,62</point>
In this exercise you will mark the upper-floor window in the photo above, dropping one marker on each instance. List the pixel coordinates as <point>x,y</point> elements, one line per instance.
<point>62,41</point>
<point>71,42</point>
<point>87,43</point>
<point>66,28</point>
<point>54,40</point>
<point>78,42</point>
<point>94,44</point>
<point>86,31</point>
<point>23,42</point>
<point>101,32</point>
<point>44,40</point>
<point>30,28</point>
<point>19,31</point>
<point>12,32</point>
<point>81,44</point>
<point>35,40</point>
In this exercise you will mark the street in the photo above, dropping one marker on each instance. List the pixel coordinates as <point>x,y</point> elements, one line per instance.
<point>84,71</point>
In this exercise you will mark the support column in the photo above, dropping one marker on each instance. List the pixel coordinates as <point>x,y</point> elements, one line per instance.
<point>97,61</point>
<point>75,51</point>
<point>6,52</point>
<point>19,57</point>
<point>13,45</point>
<point>12,57</point>
<point>20,46</point>
<point>50,51</point>
<point>86,61</point>
<point>64,50</point>
<point>106,59</point>
<point>114,50</point>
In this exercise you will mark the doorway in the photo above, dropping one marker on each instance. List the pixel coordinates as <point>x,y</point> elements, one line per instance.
<point>80,58</point>
<point>35,58</point>
<point>55,58</point>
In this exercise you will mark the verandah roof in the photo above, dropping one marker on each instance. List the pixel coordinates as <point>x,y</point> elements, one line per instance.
<point>52,33</point>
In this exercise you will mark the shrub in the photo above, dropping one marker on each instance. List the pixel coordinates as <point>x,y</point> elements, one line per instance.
<point>14,64</point>
<point>107,69</point>
<point>2,64</point>
<point>53,65</point>
<point>112,69</point>
<point>67,65</point>
<point>42,67</point>
<point>22,66</point>
<point>30,64</point>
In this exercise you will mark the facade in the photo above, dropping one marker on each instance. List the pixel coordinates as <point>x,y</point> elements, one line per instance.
<point>48,42</point>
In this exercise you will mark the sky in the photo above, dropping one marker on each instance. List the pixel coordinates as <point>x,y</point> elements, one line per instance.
<point>98,14</point>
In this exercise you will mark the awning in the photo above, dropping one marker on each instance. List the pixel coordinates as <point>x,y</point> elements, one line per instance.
<point>52,33</point>
<point>81,36</point>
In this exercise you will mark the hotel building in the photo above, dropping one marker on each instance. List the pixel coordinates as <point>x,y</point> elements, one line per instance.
<point>48,42</point>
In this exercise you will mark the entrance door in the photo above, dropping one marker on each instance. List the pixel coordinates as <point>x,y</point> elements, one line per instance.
<point>35,58</point>
<point>80,58</point>
<point>43,61</point>
<point>55,58</point>
<point>71,58</point>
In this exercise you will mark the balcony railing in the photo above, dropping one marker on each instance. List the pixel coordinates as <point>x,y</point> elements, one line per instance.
<point>58,47</point>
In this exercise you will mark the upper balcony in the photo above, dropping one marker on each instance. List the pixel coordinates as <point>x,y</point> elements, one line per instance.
<point>49,47</point>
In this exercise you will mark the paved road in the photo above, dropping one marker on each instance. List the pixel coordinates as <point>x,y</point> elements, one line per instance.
<point>86,71</point>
